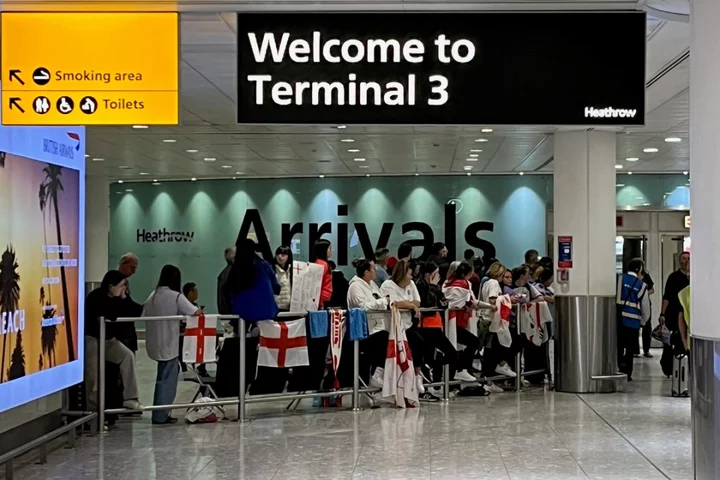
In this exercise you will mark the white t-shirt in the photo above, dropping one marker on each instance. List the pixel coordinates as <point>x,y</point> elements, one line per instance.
<point>397,294</point>
<point>162,337</point>
<point>490,289</point>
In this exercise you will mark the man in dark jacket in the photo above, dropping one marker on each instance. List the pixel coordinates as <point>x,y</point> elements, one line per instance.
<point>224,301</point>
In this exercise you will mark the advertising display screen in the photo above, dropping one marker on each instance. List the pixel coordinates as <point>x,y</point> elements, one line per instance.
<point>41,261</point>
<point>435,68</point>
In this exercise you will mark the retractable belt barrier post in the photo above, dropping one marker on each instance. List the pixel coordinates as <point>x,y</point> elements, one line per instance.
<point>243,399</point>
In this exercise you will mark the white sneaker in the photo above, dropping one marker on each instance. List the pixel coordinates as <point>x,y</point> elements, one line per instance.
<point>376,381</point>
<point>492,388</point>
<point>465,376</point>
<point>419,382</point>
<point>505,370</point>
<point>132,405</point>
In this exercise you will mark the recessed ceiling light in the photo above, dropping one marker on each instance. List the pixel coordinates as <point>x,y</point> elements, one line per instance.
<point>471,159</point>
<point>120,181</point>
<point>650,150</point>
<point>417,174</point>
<point>193,179</point>
<point>321,176</point>
<point>685,172</point>
<point>468,174</point>
<point>169,140</point>
<point>487,130</point>
<point>226,166</point>
<point>476,150</point>
<point>140,127</point>
<point>124,167</point>
<point>632,159</point>
<point>474,155</point>
<point>191,150</point>
<point>128,190</point>
<point>367,174</point>
<point>629,173</point>
<point>86,155</point>
<point>467,167</point>
<point>521,173</point>
<point>98,159</point>
<point>144,173</point>
<point>239,173</point>
<point>673,139</point>
<point>353,150</point>
<point>481,140</point>
<point>618,167</point>
<point>364,166</point>
<point>359,159</point>
<point>210,159</point>
<point>347,140</point>
<point>620,185</point>
<point>341,127</point>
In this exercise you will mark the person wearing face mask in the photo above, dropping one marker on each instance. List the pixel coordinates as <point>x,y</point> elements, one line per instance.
<point>108,301</point>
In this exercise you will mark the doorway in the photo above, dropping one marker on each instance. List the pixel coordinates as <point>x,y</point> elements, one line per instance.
<point>628,247</point>
<point>671,247</point>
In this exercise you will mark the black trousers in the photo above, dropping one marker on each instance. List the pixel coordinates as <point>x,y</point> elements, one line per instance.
<point>373,351</point>
<point>417,346</point>
<point>646,337</point>
<point>627,346</point>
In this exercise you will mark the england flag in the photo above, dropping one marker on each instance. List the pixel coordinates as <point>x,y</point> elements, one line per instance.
<point>200,339</point>
<point>283,344</point>
<point>399,384</point>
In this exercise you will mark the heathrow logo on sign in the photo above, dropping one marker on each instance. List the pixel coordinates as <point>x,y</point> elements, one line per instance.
<point>610,112</point>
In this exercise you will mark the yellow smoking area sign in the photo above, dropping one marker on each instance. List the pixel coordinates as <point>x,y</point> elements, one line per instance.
<point>89,68</point>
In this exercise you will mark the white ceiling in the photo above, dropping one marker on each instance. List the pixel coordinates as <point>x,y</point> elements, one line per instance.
<point>208,124</point>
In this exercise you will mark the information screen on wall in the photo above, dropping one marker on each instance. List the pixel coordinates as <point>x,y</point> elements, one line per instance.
<point>540,68</point>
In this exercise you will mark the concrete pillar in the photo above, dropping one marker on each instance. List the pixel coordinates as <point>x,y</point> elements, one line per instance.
<point>97,227</point>
<point>705,257</point>
<point>584,209</point>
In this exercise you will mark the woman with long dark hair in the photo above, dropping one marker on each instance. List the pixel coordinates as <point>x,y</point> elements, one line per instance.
<point>283,265</point>
<point>162,337</point>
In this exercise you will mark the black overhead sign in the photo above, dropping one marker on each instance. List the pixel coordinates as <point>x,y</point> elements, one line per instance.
<point>541,68</point>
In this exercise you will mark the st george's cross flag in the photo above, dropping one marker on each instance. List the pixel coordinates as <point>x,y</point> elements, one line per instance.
<point>283,344</point>
<point>399,385</point>
<point>200,339</point>
<point>501,321</point>
<point>534,318</point>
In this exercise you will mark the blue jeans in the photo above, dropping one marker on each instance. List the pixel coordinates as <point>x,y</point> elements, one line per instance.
<point>165,387</point>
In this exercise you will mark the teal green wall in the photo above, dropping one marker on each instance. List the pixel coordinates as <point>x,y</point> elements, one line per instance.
<point>214,211</point>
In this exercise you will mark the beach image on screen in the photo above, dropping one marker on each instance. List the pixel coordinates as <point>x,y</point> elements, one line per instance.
<point>39,243</point>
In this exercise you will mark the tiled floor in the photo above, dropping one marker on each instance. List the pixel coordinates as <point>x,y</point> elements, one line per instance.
<point>641,434</point>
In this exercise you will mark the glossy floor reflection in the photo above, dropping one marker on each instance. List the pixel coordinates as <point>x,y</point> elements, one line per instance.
<point>641,434</point>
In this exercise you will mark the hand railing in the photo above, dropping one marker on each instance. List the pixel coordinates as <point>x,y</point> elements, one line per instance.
<point>243,398</point>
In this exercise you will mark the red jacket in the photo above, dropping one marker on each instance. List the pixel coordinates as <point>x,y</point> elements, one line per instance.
<point>326,287</point>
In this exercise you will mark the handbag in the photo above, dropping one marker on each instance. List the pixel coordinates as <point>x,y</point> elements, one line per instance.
<point>661,333</point>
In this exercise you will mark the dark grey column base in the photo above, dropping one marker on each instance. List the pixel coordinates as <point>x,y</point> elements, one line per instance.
<point>704,390</point>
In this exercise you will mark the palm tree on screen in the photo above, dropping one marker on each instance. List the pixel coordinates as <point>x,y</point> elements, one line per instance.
<point>17,362</point>
<point>9,292</point>
<point>53,185</point>
<point>48,335</point>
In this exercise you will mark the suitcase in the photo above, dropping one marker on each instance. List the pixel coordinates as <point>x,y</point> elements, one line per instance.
<point>680,376</point>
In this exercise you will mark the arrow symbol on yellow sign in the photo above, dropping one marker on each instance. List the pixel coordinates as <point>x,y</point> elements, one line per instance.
<point>15,74</point>
<point>15,102</point>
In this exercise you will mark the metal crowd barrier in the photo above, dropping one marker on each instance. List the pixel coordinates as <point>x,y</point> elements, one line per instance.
<point>243,399</point>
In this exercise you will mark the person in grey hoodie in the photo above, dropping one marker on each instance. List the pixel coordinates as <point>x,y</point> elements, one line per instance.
<point>364,293</point>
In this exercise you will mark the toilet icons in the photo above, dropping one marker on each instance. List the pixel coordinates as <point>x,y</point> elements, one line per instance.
<point>64,105</point>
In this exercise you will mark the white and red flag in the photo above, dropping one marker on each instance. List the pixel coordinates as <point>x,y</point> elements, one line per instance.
<point>399,385</point>
<point>534,318</point>
<point>283,344</point>
<point>501,320</point>
<point>337,333</point>
<point>200,339</point>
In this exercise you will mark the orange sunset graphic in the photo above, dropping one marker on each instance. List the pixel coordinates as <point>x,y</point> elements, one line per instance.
<point>39,242</point>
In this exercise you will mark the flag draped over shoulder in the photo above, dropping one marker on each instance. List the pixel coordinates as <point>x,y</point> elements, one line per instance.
<point>534,318</point>
<point>501,320</point>
<point>399,384</point>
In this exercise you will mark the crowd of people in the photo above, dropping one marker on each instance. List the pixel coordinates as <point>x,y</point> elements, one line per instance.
<point>256,290</point>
